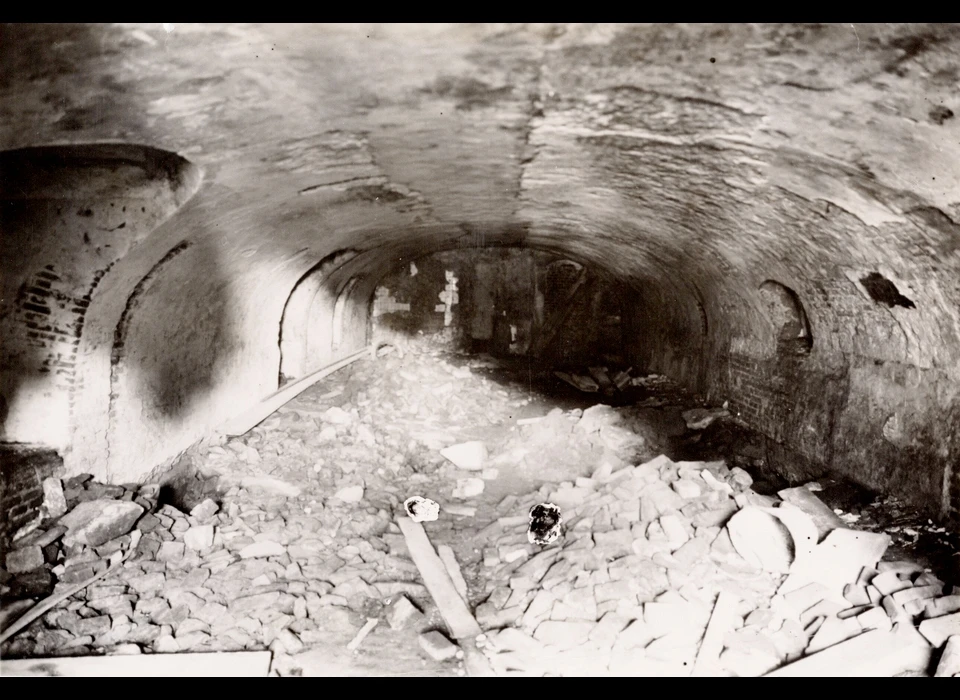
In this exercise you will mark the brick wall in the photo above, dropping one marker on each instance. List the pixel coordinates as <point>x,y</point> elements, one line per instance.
<point>793,400</point>
<point>50,314</point>
<point>22,471</point>
<point>875,399</point>
<point>835,416</point>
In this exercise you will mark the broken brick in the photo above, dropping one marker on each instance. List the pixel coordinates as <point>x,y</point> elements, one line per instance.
<point>888,583</point>
<point>938,629</point>
<point>402,614</point>
<point>438,647</point>
<point>564,635</point>
<point>24,559</point>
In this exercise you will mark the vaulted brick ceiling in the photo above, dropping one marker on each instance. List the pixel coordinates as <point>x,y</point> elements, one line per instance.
<point>695,161</point>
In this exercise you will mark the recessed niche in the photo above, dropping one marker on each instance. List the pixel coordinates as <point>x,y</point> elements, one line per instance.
<point>788,316</point>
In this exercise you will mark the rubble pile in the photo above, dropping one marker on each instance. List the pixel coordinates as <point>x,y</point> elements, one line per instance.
<point>424,398</point>
<point>570,442</point>
<point>665,568</point>
<point>82,522</point>
<point>260,573</point>
<point>302,549</point>
<point>648,552</point>
<point>903,523</point>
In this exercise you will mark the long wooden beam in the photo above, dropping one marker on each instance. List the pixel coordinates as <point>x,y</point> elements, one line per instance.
<point>255,415</point>
<point>463,626</point>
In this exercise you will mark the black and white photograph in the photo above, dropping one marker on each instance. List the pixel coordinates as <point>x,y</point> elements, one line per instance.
<point>500,350</point>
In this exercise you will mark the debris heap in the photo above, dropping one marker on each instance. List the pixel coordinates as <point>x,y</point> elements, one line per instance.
<point>659,567</point>
<point>675,568</point>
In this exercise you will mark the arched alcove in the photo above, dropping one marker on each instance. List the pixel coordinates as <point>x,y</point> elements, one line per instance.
<point>786,313</point>
<point>69,215</point>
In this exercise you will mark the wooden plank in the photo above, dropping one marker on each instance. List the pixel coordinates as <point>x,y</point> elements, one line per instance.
<point>449,560</point>
<point>454,611</point>
<point>246,664</point>
<point>877,653</point>
<point>474,662</point>
<point>255,415</point>
<point>601,377</point>
<point>578,382</point>
<point>708,656</point>
<point>13,610</point>
<point>621,379</point>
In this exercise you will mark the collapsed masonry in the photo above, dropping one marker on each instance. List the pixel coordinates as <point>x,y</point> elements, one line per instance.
<point>665,568</point>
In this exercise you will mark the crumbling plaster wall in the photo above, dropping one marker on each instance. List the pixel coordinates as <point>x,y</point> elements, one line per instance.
<point>694,163</point>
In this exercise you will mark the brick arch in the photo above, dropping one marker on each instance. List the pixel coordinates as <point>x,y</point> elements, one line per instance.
<point>70,215</point>
<point>298,326</point>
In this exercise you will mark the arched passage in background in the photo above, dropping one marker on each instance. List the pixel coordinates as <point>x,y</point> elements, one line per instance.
<point>299,329</point>
<point>559,277</point>
<point>507,300</point>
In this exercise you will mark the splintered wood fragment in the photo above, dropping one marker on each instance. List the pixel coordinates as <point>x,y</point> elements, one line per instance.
<point>362,634</point>
<point>621,379</point>
<point>449,560</point>
<point>708,656</point>
<point>474,662</point>
<point>248,664</point>
<point>454,611</point>
<point>600,375</point>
